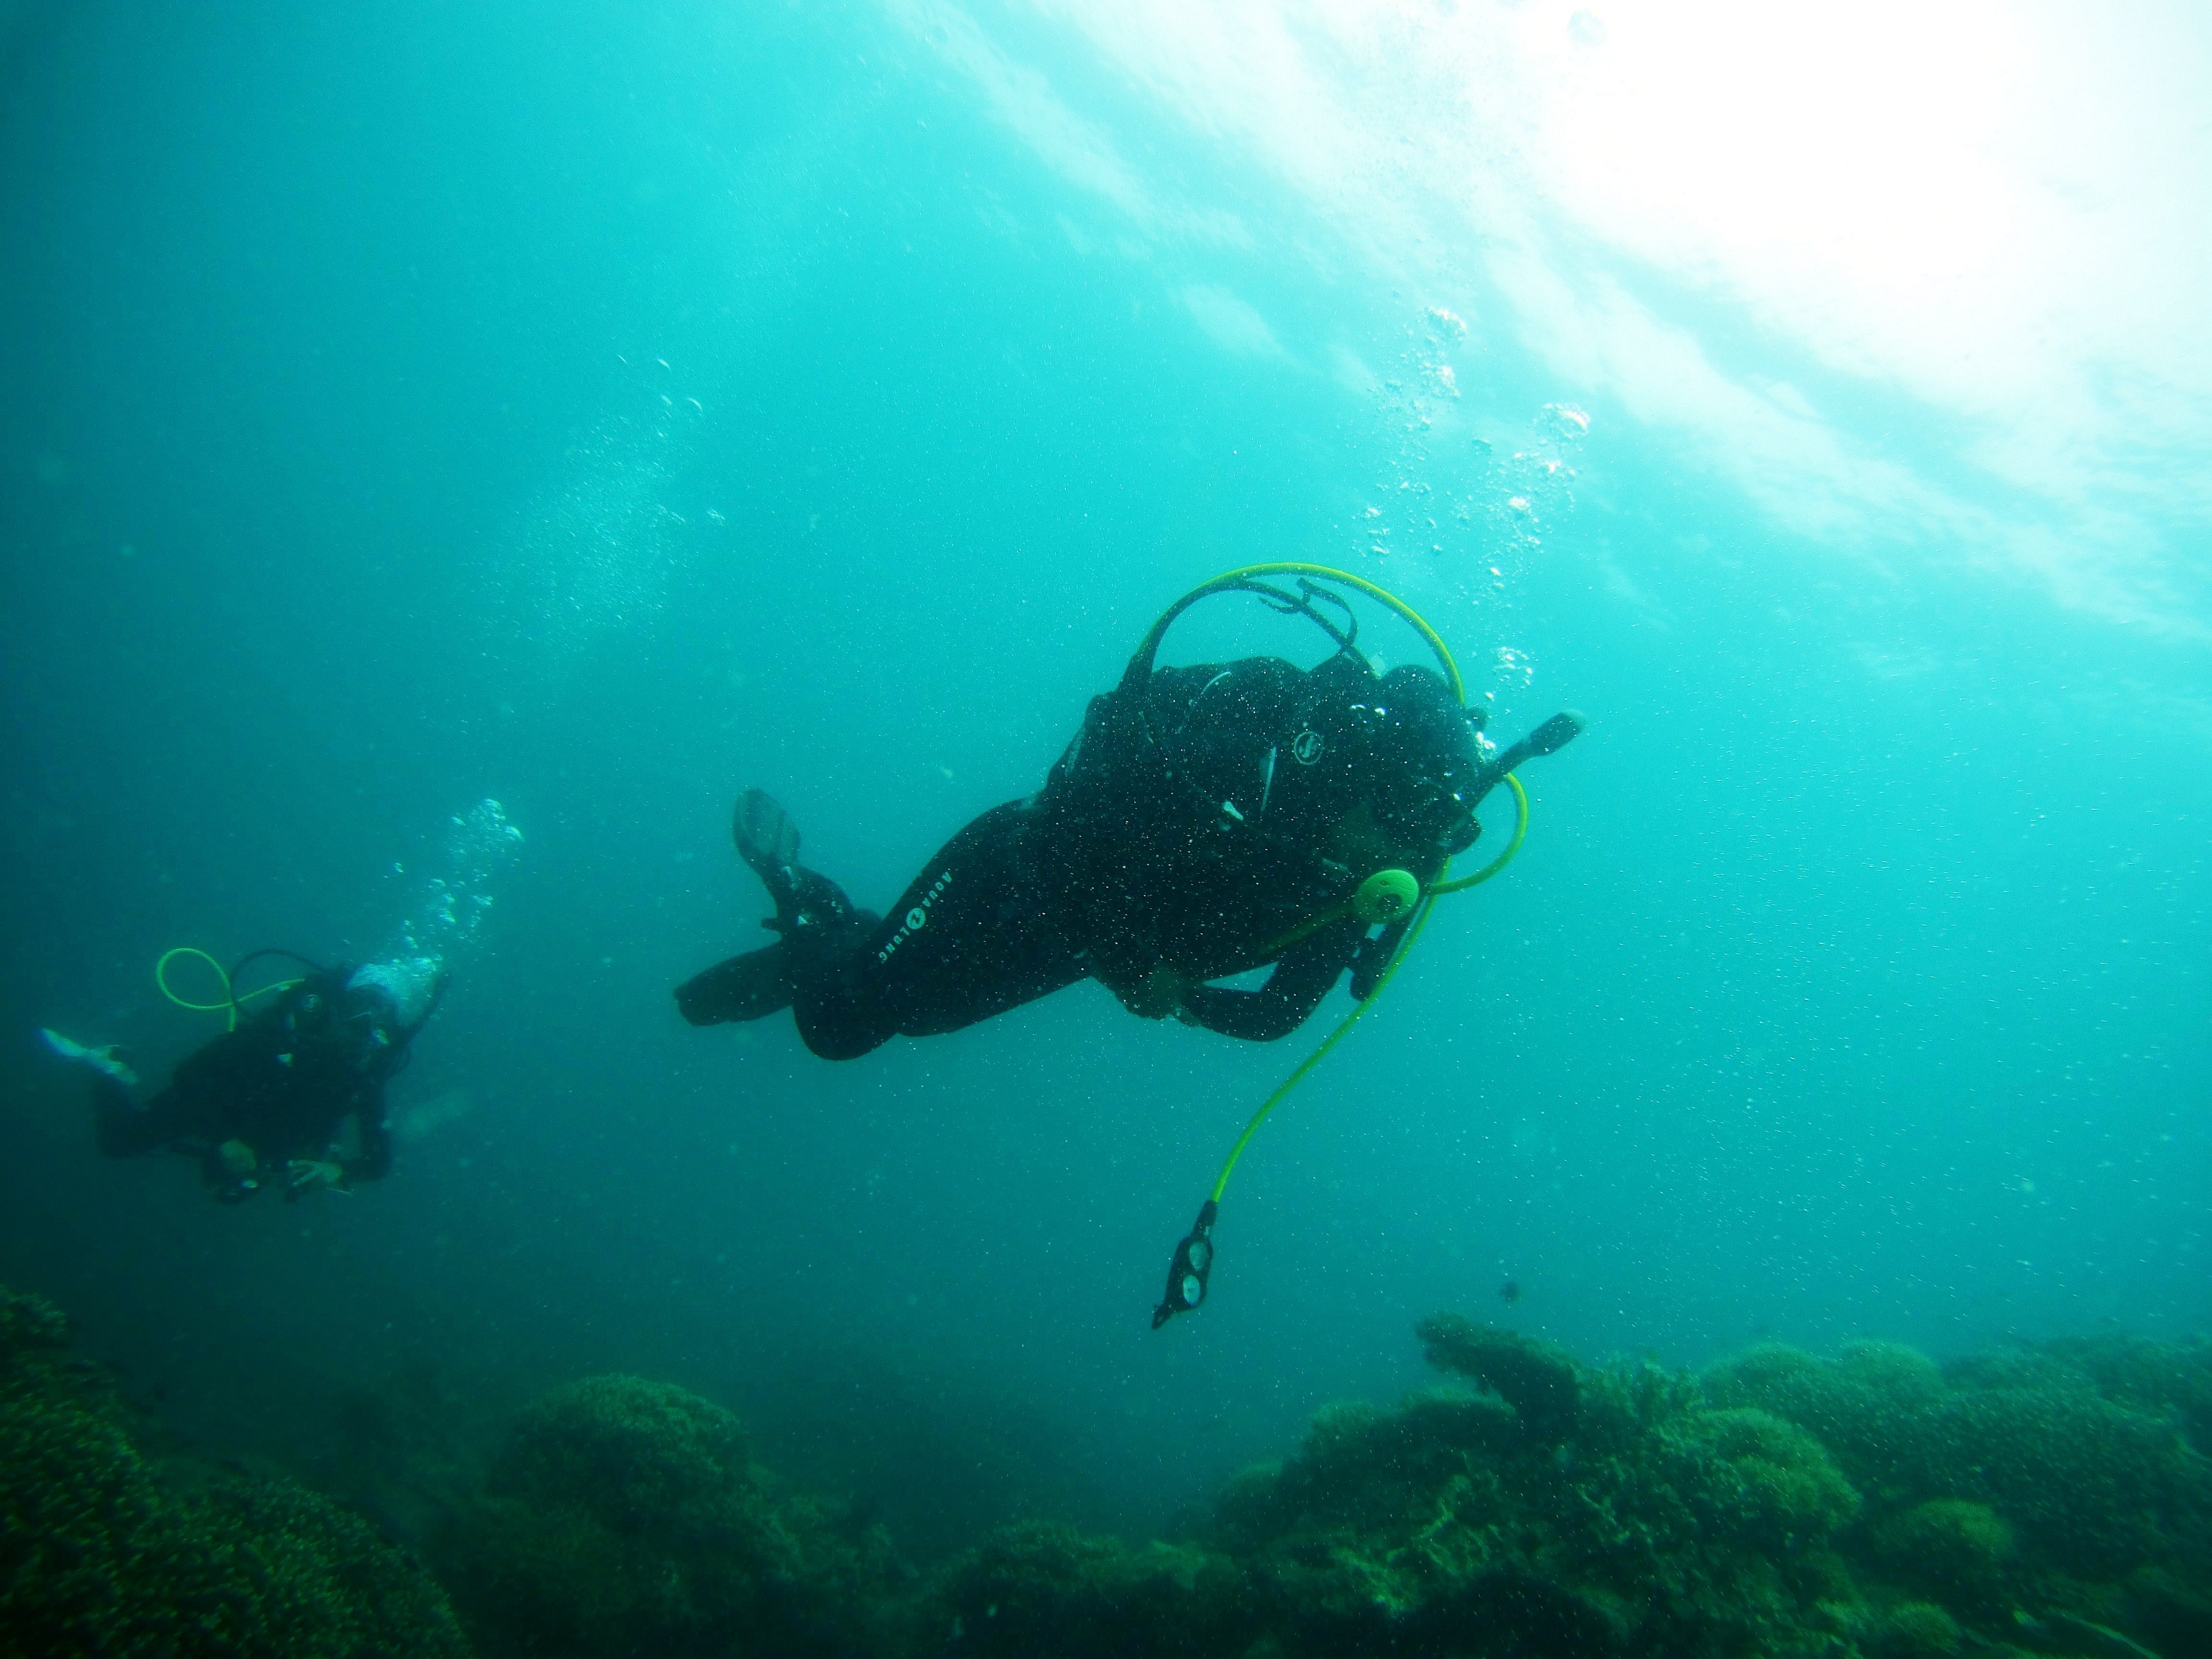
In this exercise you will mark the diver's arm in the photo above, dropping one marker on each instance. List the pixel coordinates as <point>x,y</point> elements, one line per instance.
<point>1373,957</point>
<point>1133,968</point>
<point>374,1162</point>
<point>125,1131</point>
<point>1302,978</point>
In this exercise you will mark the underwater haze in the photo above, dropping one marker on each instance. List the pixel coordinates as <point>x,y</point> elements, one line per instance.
<point>597,409</point>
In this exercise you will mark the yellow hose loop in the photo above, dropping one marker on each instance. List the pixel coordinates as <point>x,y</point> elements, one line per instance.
<point>231,1002</point>
<point>227,1005</point>
<point>1327,573</point>
<point>1519,835</point>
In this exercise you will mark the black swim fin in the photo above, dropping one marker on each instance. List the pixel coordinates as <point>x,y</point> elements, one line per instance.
<point>750,987</point>
<point>768,840</point>
<point>810,907</point>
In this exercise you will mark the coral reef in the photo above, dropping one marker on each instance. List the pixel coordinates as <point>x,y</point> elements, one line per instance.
<point>1036,1588</point>
<point>2087,1487</point>
<point>1917,1629</point>
<point>1539,1381</point>
<point>1947,1546</point>
<point>1595,1512</point>
<point>625,1516</point>
<point>2051,1499</point>
<point>1875,1504</point>
<point>105,1548</point>
<point>2158,1379</point>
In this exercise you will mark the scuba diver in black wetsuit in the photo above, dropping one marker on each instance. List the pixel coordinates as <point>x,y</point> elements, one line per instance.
<point>267,1102</point>
<point>1205,821</point>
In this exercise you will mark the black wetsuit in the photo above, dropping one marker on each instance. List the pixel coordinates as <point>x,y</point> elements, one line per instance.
<point>1187,826</point>
<point>283,1083</point>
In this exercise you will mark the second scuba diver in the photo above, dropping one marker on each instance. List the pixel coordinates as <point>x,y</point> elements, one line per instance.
<point>1205,821</point>
<point>266,1103</point>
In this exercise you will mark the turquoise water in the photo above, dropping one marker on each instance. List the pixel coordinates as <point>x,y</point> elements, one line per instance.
<point>598,411</point>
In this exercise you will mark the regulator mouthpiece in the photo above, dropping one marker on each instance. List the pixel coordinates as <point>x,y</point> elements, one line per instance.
<point>1188,1272</point>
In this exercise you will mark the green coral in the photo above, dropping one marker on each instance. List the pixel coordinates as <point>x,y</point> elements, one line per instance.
<point>1037,1588</point>
<point>2168,1378</point>
<point>651,1460</point>
<point>105,1549</point>
<point>1763,1479</point>
<point>1364,1467</point>
<point>1873,1505</point>
<point>1918,1630</point>
<point>2091,1486</point>
<point>1568,1511</point>
<point>1608,1511</point>
<point>1891,1371</point>
<point>1951,1548</point>
<point>1863,1406</point>
<point>624,1516</point>
<point>1542,1382</point>
<point>1870,1506</point>
<point>30,1325</point>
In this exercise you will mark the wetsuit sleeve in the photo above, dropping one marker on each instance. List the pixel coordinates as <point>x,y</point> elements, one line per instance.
<point>124,1131</point>
<point>1300,981</point>
<point>1372,959</point>
<point>375,1160</point>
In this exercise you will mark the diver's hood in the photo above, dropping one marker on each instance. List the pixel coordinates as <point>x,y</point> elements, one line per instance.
<point>1401,742</point>
<point>1426,767</point>
<point>406,985</point>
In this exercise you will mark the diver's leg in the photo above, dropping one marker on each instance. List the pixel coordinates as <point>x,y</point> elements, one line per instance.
<point>838,1011</point>
<point>118,1125</point>
<point>971,938</point>
<point>750,987</point>
<point>125,1131</point>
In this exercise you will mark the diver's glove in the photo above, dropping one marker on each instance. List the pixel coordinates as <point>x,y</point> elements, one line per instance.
<point>1156,996</point>
<point>1372,960</point>
<point>306,1175</point>
<point>232,1172</point>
